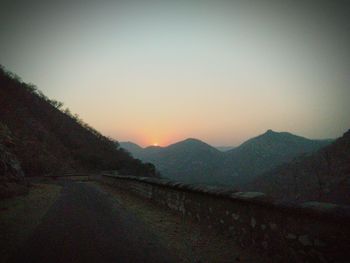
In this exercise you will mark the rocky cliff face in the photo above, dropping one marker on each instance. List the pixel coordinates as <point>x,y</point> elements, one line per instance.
<point>12,180</point>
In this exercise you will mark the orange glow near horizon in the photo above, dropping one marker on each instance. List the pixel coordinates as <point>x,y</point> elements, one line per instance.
<point>159,72</point>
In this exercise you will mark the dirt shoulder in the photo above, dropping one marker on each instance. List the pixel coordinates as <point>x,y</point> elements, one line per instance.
<point>190,241</point>
<point>20,215</point>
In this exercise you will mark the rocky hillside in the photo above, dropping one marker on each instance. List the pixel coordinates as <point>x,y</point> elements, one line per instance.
<point>11,175</point>
<point>322,176</point>
<point>49,140</point>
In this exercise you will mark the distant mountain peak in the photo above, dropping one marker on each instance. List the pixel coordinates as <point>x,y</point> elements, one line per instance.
<point>193,140</point>
<point>272,133</point>
<point>130,146</point>
<point>191,144</point>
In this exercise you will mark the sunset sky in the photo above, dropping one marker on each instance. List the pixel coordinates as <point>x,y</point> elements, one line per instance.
<point>162,71</point>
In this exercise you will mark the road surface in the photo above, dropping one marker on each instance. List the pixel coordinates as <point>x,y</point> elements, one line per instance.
<point>86,225</point>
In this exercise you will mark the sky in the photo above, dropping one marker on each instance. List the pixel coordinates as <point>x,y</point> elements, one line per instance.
<point>156,72</point>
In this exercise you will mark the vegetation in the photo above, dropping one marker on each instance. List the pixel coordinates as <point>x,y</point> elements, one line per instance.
<point>12,181</point>
<point>49,139</point>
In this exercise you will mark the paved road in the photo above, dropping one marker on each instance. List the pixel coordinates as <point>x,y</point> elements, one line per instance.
<point>86,225</point>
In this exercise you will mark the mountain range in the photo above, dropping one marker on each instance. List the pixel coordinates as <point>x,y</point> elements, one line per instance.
<point>196,162</point>
<point>322,176</point>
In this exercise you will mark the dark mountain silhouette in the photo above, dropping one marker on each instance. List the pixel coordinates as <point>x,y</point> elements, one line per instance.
<point>193,161</point>
<point>322,176</point>
<point>130,146</point>
<point>48,140</point>
<point>265,152</point>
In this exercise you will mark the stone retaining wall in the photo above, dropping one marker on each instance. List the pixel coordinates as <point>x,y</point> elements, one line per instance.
<point>309,232</point>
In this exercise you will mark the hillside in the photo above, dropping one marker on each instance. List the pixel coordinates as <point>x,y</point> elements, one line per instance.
<point>11,175</point>
<point>322,176</point>
<point>130,147</point>
<point>190,161</point>
<point>193,161</point>
<point>48,140</point>
<point>266,151</point>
